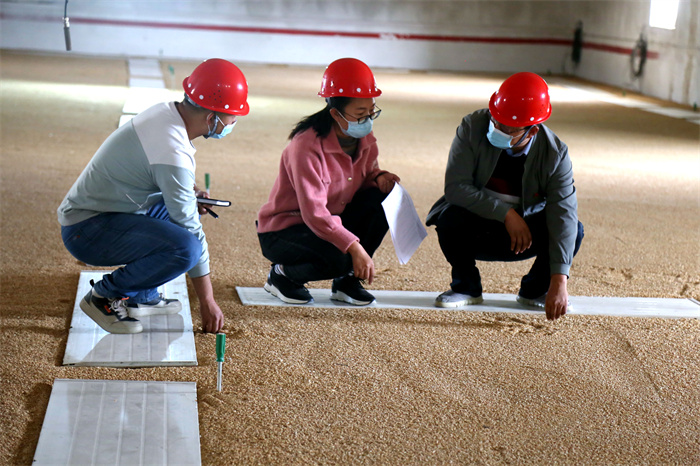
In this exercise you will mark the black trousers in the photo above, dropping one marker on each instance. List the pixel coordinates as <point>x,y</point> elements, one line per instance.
<point>306,257</point>
<point>466,237</point>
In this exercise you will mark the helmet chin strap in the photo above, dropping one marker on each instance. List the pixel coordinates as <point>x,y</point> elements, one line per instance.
<point>523,137</point>
<point>210,130</point>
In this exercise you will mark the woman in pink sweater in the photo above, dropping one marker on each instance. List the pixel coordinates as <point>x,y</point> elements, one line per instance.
<point>324,218</point>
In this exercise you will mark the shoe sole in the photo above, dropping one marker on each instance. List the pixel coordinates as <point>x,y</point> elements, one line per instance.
<point>272,289</point>
<point>465,302</point>
<point>154,310</point>
<point>529,302</point>
<point>106,323</point>
<point>537,305</point>
<point>340,296</point>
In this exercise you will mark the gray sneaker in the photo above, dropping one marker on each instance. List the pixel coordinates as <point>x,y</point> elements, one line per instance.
<point>453,299</point>
<point>538,302</point>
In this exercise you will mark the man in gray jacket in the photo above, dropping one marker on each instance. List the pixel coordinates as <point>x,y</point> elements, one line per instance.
<point>509,196</point>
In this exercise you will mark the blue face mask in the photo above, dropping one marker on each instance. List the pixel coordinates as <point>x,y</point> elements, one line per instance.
<point>501,140</point>
<point>355,129</point>
<point>498,138</point>
<point>227,129</point>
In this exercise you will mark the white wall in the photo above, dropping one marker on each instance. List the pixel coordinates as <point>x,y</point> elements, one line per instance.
<point>470,35</point>
<point>674,75</point>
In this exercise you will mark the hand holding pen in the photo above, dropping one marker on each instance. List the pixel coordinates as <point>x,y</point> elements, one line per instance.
<point>201,208</point>
<point>204,201</point>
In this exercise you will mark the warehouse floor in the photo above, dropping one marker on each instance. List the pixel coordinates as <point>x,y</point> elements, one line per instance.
<point>306,385</point>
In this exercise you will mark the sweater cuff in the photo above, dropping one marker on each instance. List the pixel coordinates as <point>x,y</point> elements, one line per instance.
<point>559,268</point>
<point>199,270</point>
<point>344,243</point>
<point>501,211</point>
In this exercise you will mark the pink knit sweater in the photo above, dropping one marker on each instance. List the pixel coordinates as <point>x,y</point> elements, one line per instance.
<point>315,182</point>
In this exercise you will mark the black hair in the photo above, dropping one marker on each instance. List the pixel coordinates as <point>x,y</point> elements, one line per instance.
<point>321,121</point>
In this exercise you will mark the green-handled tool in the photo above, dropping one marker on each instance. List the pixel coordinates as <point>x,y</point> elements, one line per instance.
<point>220,350</point>
<point>207,181</point>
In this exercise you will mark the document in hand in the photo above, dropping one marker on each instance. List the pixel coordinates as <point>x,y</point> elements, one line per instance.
<point>407,230</point>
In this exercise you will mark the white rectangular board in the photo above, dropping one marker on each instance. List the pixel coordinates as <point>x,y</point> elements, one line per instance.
<point>582,305</point>
<point>91,422</point>
<point>139,99</point>
<point>151,83</point>
<point>147,67</point>
<point>166,340</point>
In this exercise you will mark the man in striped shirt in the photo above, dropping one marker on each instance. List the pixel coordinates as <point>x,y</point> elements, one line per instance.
<point>135,203</point>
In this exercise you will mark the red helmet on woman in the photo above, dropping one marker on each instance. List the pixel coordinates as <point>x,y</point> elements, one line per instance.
<point>349,77</point>
<point>522,100</point>
<point>218,85</point>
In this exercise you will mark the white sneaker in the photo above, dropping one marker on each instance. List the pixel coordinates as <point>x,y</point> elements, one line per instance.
<point>538,302</point>
<point>158,306</point>
<point>453,299</point>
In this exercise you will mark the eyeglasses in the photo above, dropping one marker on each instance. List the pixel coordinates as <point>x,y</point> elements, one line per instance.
<point>372,116</point>
<point>507,129</point>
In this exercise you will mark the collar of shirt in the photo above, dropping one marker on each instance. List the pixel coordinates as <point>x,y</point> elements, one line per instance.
<point>523,151</point>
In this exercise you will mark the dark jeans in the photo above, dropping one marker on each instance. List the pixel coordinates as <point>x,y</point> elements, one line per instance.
<point>154,249</point>
<point>466,237</point>
<point>306,257</point>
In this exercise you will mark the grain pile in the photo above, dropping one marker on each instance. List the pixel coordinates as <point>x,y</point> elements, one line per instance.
<point>377,386</point>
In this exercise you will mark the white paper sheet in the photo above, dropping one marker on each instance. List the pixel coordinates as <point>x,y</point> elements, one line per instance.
<point>406,227</point>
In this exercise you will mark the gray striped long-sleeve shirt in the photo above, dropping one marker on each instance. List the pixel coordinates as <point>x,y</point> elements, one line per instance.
<point>147,159</point>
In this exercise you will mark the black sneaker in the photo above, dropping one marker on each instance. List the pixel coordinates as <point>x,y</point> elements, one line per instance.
<point>349,289</point>
<point>110,313</point>
<point>158,306</point>
<point>286,290</point>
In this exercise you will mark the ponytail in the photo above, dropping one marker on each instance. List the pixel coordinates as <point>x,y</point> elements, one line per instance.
<point>321,121</point>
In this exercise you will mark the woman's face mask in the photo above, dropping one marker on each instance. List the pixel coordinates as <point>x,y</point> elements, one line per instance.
<point>362,126</point>
<point>357,130</point>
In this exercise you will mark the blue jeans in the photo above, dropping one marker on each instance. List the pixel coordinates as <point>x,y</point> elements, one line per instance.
<point>153,250</point>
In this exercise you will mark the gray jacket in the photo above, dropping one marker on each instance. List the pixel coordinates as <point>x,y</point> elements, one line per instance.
<point>548,184</point>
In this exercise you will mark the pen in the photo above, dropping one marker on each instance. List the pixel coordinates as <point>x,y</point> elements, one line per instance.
<point>207,183</point>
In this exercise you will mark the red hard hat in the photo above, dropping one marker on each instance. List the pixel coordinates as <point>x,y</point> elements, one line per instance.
<point>218,85</point>
<point>349,77</point>
<point>522,100</point>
